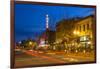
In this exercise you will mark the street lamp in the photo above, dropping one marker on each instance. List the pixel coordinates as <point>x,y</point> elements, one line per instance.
<point>76,32</point>
<point>20,42</point>
<point>89,42</point>
<point>30,43</point>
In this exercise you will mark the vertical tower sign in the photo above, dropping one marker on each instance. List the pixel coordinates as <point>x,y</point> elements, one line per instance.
<point>47,21</point>
<point>47,27</point>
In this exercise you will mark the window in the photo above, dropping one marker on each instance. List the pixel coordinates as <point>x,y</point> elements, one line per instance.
<point>83,27</point>
<point>87,26</point>
<point>80,28</point>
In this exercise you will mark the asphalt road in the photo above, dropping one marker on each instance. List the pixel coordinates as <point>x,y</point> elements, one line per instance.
<point>33,58</point>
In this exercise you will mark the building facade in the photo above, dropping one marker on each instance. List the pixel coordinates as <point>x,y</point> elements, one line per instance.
<point>77,33</point>
<point>84,29</point>
<point>64,30</point>
<point>64,34</point>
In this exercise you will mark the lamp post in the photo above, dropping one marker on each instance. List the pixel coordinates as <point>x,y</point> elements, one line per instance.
<point>31,44</point>
<point>76,33</point>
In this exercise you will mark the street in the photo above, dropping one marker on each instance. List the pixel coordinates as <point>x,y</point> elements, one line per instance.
<point>35,58</point>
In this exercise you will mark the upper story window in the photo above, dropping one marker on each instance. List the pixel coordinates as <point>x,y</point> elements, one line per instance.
<point>87,26</point>
<point>80,28</point>
<point>83,27</point>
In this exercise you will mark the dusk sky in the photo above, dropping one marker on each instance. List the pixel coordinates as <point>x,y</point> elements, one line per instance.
<point>30,19</point>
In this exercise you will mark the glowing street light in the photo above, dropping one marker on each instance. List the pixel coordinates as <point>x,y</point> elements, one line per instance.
<point>30,43</point>
<point>76,32</point>
<point>89,42</point>
<point>20,42</point>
